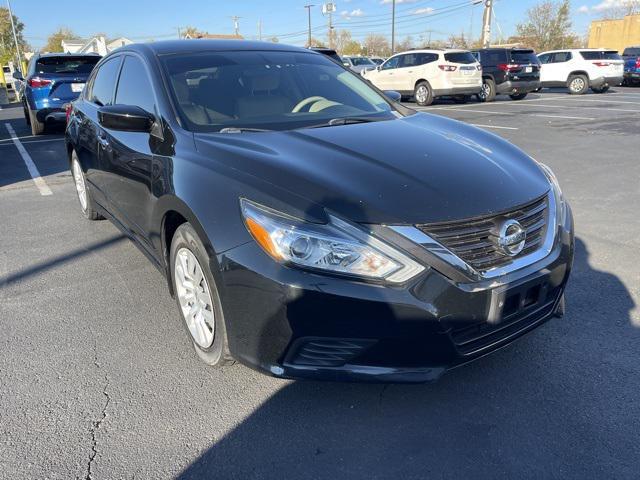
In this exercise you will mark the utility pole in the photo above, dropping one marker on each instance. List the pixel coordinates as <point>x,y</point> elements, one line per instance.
<point>179,34</point>
<point>393,27</point>
<point>236,24</point>
<point>330,29</point>
<point>15,37</point>
<point>308,7</point>
<point>486,23</point>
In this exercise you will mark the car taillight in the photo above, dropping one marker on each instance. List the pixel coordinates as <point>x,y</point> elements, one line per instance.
<point>447,68</point>
<point>601,64</point>
<point>479,67</point>
<point>37,82</point>
<point>508,67</point>
<point>638,62</point>
<point>67,110</point>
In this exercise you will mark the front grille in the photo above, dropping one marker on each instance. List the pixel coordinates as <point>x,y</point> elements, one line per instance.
<point>327,352</point>
<point>471,240</point>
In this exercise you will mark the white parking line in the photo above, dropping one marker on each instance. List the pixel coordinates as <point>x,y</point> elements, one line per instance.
<point>561,116</point>
<point>519,104</point>
<point>33,170</point>
<point>475,110</point>
<point>494,126</point>
<point>9,141</point>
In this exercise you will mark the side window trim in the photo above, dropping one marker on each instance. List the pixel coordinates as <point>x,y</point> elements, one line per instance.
<point>147,72</point>
<point>116,58</point>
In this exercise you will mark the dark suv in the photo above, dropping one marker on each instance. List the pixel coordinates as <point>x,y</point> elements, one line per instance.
<point>511,71</point>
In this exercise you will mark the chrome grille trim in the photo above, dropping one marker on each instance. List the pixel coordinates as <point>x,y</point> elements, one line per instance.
<point>542,242</point>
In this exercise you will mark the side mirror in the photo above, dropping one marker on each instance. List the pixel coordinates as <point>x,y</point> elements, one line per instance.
<point>379,67</point>
<point>393,95</point>
<point>346,64</point>
<point>128,118</point>
<point>17,75</point>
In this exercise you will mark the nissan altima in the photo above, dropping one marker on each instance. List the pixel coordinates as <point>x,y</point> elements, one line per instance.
<point>307,224</point>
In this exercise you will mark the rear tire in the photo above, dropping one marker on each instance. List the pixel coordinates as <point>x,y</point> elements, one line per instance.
<point>461,98</point>
<point>422,94</point>
<point>37,127</point>
<point>578,84</point>
<point>87,205</point>
<point>488,93</point>
<point>189,263</point>
<point>518,96</point>
<point>27,117</point>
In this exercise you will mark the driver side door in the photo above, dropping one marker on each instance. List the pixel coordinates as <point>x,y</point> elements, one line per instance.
<point>385,77</point>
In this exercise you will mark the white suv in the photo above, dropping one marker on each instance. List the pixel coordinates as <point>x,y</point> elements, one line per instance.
<point>581,69</point>
<point>428,74</point>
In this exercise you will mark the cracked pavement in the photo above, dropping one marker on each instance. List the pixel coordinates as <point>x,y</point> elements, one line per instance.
<point>98,379</point>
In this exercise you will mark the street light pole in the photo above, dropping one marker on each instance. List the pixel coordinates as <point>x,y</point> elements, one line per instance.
<point>393,27</point>
<point>486,24</point>
<point>15,37</point>
<point>308,7</point>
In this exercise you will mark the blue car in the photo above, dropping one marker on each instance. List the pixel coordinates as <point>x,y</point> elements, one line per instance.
<point>53,80</point>
<point>631,57</point>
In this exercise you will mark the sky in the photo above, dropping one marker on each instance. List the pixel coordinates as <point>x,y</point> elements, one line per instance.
<point>142,20</point>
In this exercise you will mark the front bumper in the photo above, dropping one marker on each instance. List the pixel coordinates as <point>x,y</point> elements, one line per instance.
<point>515,87</point>
<point>296,324</point>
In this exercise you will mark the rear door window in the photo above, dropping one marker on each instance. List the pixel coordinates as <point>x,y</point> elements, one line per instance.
<point>494,57</point>
<point>104,82</point>
<point>66,64</point>
<point>560,57</point>
<point>523,57</point>
<point>631,52</point>
<point>460,57</point>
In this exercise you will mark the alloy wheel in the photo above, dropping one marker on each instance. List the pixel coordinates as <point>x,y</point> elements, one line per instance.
<point>81,188</point>
<point>422,94</point>
<point>486,90</point>
<point>577,84</point>
<point>194,296</point>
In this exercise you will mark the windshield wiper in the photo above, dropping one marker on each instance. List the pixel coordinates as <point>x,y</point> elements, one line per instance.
<point>243,129</point>
<point>345,121</point>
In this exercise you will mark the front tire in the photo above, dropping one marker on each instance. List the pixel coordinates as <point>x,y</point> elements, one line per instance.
<point>87,205</point>
<point>488,92</point>
<point>518,96</point>
<point>422,94</point>
<point>578,84</point>
<point>198,298</point>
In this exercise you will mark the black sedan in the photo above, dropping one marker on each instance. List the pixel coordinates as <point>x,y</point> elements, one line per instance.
<point>309,226</point>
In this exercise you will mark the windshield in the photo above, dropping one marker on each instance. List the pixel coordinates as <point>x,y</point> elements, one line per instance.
<point>267,89</point>
<point>66,64</point>
<point>359,61</point>
<point>460,57</point>
<point>600,55</point>
<point>631,52</point>
<point>524,57</point>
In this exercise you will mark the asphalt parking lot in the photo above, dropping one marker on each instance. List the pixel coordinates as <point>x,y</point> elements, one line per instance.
<point>98,379</point>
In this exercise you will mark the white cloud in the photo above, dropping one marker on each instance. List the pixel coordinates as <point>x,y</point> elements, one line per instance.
<point>423,11</point>
<point>353,13</point>
<point>583,9</point>
<point>606,5</point>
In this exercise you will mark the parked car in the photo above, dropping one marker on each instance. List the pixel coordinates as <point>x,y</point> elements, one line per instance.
<point>358,64</point>
<point>329,52</point>
<point>508,71</point>
<point>377,60</point>
<point>293,235</point>
<point>631,57</point>
<point>429,74</point>
<point>53,81</point>
<point>581,69</point>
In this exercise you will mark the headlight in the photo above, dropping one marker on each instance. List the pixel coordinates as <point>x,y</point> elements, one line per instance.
<point>557,191</point>
<point>336,247</point>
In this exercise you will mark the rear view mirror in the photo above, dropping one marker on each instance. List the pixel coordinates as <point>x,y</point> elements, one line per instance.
<point>127,118</point>
<point>393,95</point>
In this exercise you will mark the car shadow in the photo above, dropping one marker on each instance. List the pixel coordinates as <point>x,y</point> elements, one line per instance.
<point>541,406</point>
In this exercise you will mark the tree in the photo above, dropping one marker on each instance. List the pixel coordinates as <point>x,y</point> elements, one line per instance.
<point>314,43</point>
<point>352,48</point>
<point>621,9</point>
<point>340,39</point>
<point>378,45</point>
<point>54,42</point>
<point>7,43</point>
<point>548,26</point>
<point>459,41</point>
<point>191,32</point>
<point>404,45</point>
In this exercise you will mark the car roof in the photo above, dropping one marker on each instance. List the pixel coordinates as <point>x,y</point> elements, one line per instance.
<point>433,50</point>
<point>580,50</point>
<point>67,54</point>
<point>196,45</point>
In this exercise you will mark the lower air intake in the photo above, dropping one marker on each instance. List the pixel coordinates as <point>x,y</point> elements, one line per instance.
<point>324,352</point>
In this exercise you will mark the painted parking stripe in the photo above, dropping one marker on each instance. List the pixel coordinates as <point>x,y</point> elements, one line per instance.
<point>536,105</point>
<point>33,170</point>
<point>4,143</point>
<point>494,126</point>
<point>475,110</point>
<point>561,116</point>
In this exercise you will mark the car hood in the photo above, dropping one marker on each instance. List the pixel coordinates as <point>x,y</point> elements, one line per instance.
<point>417,169</point>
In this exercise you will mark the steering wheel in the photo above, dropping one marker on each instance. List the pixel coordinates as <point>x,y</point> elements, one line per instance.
<point>306,101</point>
